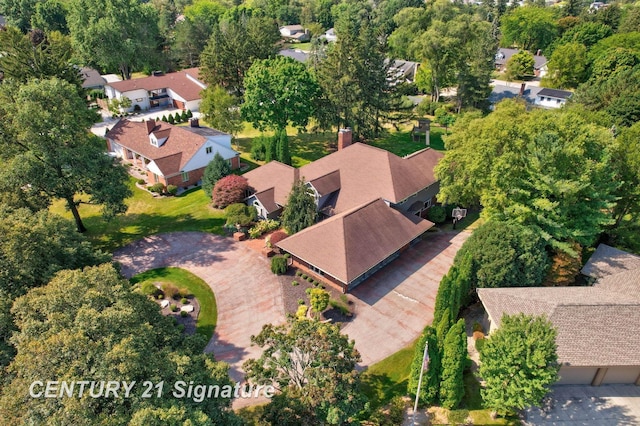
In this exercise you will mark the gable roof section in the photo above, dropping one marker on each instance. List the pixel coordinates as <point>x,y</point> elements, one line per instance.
<point>504,54</point>
<point>367,173</point>
<point>181,82</point>
<point>181,145</point>
<point>347,245</point>
<point>273,175</point>
<point>596,326</point>
<point>328,183</point>
<point>555,93</point>
<point>607,260</point>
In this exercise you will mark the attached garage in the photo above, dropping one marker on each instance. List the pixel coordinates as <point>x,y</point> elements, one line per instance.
<point>577,375</point>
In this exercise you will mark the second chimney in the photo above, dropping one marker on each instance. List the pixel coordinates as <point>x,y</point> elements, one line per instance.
<point>344,138</point>
<point>151,124</point>
<point>194,122</point>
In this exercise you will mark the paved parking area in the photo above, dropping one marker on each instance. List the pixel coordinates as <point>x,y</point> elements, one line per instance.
<point>247,293</point>
<point>588,405</point>
<point>394,305</point>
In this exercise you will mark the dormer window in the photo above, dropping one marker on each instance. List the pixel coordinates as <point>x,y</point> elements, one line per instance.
<point>154,141</point>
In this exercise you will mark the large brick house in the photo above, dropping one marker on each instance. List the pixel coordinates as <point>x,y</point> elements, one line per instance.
<point>371,205</point>
<point>171,155</point>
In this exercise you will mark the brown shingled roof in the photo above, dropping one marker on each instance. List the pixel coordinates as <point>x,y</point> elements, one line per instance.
<point>348,244</point>
<point>274,175</point>
<point>172,156</point>
<point>176,81</point>
<point>607,260</point>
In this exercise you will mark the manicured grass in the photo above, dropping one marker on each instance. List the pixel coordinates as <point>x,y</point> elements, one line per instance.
<point>469,223</point>
<point>148,215</point>
<point>208,316</point>
<point>388,378</point>
<point>401,143</point>
<point>300,46</point>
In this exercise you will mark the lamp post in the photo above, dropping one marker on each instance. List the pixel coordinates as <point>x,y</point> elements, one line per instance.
<point>425,361</point>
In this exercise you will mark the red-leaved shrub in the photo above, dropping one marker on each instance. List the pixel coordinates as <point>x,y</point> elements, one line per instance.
<point>229,190</point>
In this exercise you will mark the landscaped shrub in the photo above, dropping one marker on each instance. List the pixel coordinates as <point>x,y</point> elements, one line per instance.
<point>184,314</point>
<point>477,326</point>
<point>240,214</point>
<point>259,148</point>
<point>136,108</point>
<point>158,188</point>
<point>164,118</point>
<point>141,181</point>
<point>170,290</point>
<point>171,120</point>
<point>310,279</point>
<point>229,190</point>
<point>184,300</point>
<point>184,117</point>
<point>276,237</point>
<point>184,292</point>
<point>301,312</point>
<point>300,301</point>
<point>263,227</point>
<point>172,189</point>
<point>480,344</point>
<point>149,289</point>
<point>342,307</point>
<point>304,276</point>
<point>173,308</point>
<point>298,273</point>
<point>189,113</point>
<point>437,214</point>
<point>295,283</point>
<point>478,335</point>
<point>278,265</point>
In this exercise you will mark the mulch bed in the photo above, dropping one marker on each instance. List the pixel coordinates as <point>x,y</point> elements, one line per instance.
<point>291,294</point>
<point>188,321</point>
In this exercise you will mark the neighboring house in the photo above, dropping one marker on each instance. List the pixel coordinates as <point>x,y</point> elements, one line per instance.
<point>297,54</point>
<point>295,33</point>
<point>330,35</point>
<point>169,154</point>
<point>178,89</point>
<point>403,71</point>
<point>503,55</point>
<point>598,340</point>
<point>91,79</point>
<point>370,201</point>
<point>523,91</point>
<point>552,98</point>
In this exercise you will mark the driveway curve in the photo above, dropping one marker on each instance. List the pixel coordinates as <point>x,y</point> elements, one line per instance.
<point>247,294</point>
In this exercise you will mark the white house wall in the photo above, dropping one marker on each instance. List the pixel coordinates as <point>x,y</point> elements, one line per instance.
<point>153,167</point>
<point>550,102</point>
<point>201,158</point>
<point>138,97</point>
<point>193,105</point>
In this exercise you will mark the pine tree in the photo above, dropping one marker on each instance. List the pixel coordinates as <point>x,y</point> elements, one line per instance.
<point>284,156</point>
<point>216,170</point>
<point>271,152</point>
<point>300,211</point>
<point>453,361</point>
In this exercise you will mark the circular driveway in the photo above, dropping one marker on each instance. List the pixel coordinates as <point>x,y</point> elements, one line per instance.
<point>247,294</point>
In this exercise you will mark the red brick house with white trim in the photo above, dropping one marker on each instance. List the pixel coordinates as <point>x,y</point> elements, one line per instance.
<point>171,155</point>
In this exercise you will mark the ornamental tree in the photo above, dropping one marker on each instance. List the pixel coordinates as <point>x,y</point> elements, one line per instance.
<point>313,366</point>
<point>319,300</point>
<point>229,190</point>
<point>519,363</point>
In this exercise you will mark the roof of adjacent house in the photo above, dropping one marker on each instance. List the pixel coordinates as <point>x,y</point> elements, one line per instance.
<point>597,326</point>
<point>500,92</point>
<point>555,93</point>
<point>504,54</point>
<point>172,156</point>
<point>607,260</point>
<point>91,78</point>
<point>180,82</point>
<point>349,244</point>
<point>297,54</point>
<point>272,182</point>
<point>292,28</point>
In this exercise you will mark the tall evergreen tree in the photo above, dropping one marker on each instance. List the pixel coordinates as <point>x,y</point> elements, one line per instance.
<point>215,170</point>
<point>454,357</point>
<point>430,388</point>
<point>283,154</point>
<point>300,211</point>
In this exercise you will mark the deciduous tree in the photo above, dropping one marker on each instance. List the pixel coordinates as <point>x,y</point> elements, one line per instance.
<point>313,366</point>
<point>49,148</point>
<point>520,65</point>
<point>524,345</point>
<point>319,300</point>
<point>221,110</point>
<point>229,190</point>
<point>529,27</point>
<point>568,65</point>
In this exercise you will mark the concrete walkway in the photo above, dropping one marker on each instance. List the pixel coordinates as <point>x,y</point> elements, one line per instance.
<point>395,304</point>
<point>588,405</point>
<point>247,293</point>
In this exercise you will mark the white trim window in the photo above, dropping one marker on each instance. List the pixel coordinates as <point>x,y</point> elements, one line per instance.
<point>185,176</point>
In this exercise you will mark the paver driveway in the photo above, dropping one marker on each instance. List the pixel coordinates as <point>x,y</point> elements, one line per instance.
<point>247,294</point>
<point>588,405</point>
<point>395,304</point>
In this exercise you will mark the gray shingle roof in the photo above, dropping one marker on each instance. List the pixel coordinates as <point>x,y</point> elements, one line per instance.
<point>597,326</point>
<point>607,260</point>
<point>555,93</point>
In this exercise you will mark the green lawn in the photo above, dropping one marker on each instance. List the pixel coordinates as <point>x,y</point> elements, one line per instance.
<point>306,47</point>
<point>388,378</point>
<point>401,143</point>
<point>148,215</point>
<point>208,316</point>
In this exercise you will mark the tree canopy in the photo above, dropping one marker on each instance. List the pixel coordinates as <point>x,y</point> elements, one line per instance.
<point>300,211</point>
<point>221,110</point>
<point>279,92</point>
<point>50,152</point>
<point>522,344</point>
<point>529,27</point>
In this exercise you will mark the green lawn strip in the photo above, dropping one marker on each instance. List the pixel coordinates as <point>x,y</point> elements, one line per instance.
<point>148,215</point>
<point>401,143</point>
<point>388,378</point>
<point>208,316</point>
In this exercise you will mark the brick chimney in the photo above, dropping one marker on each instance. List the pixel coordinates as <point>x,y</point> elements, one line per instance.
<point>344,138</point>
<point>151,124</point>
<point>523,87</point>
<point>194,122</point>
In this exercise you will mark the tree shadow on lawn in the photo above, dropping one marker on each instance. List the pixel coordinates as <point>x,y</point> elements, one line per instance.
<point>380,389</point>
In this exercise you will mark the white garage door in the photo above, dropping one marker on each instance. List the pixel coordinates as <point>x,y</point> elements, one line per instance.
<point>576,375</point>
<point>621,375</point>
